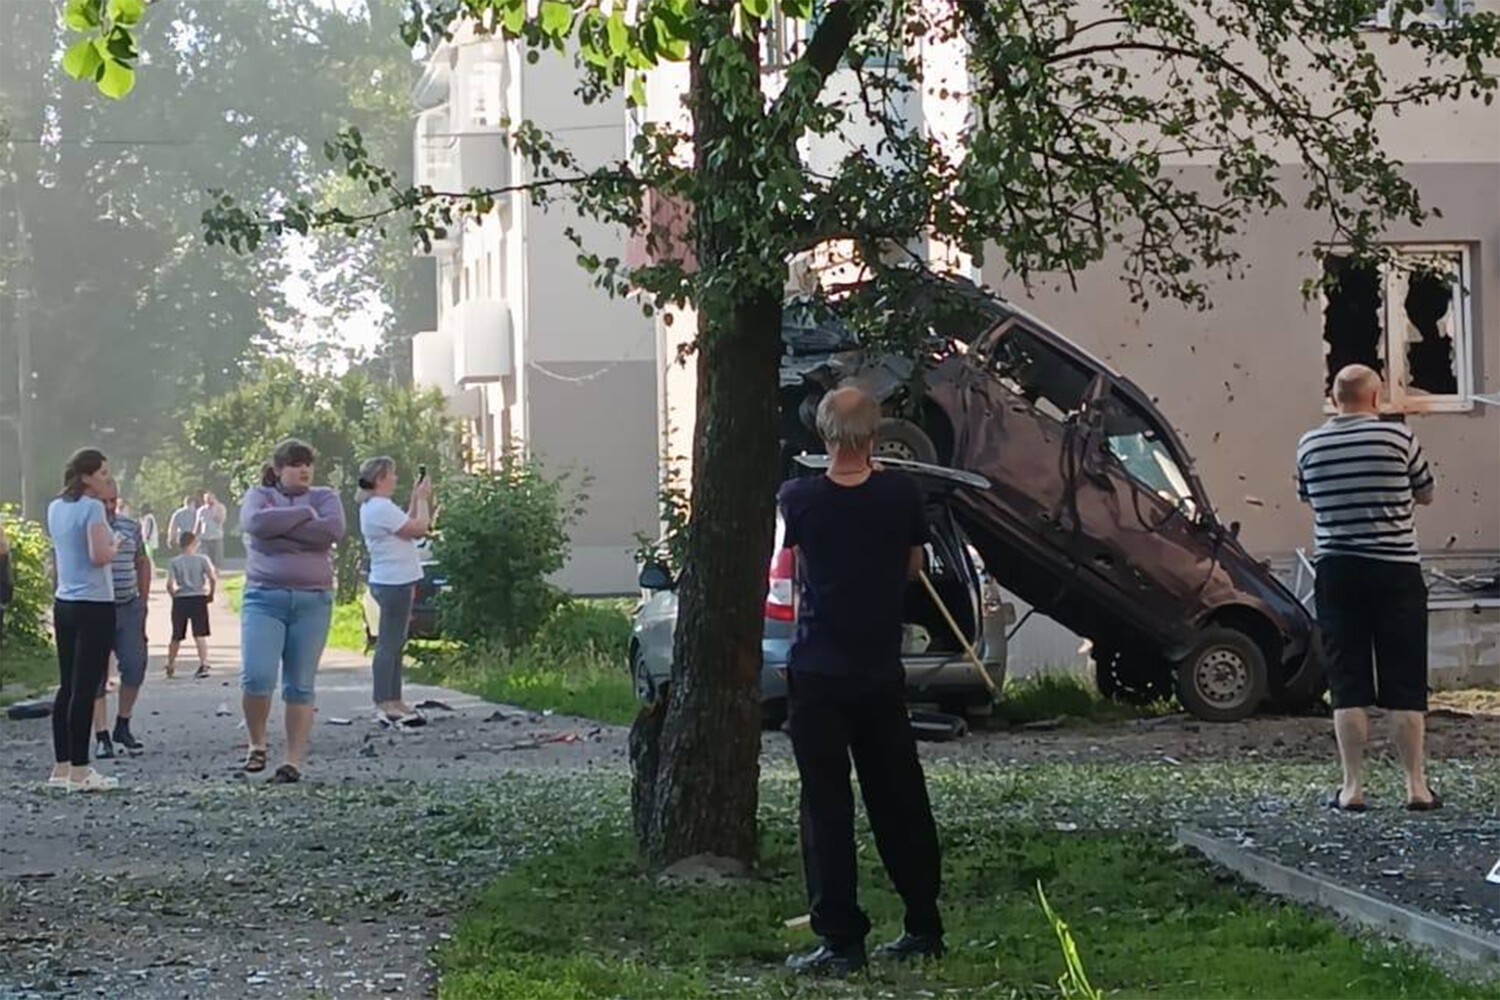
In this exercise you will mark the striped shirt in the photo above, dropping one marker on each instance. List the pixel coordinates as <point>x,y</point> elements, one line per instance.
<point>122,567</point>
<point>1362,476</point>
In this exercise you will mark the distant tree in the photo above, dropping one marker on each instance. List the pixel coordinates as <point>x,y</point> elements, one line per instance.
<point>129,320</point>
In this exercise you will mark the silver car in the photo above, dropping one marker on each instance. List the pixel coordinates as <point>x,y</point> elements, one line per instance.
<point>938,668</point>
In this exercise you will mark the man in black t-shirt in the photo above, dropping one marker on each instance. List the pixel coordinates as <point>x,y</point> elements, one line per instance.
<point>859,533</point>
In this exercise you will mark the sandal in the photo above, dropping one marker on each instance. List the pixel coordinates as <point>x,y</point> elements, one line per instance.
<point>1348,807</point>
<point>255,760</point>
<point>286,774</point>
<point>1436,802</point>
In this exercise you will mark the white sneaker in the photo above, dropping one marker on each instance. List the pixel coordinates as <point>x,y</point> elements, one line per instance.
<point>93,782</point>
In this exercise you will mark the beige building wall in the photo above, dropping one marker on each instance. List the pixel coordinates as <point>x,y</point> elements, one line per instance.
<point>588,366</point>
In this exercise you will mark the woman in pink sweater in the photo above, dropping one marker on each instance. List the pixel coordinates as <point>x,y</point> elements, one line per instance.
<point>291,527</point>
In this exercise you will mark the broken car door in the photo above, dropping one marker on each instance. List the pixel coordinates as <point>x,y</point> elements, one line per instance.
<point>1144,533</point>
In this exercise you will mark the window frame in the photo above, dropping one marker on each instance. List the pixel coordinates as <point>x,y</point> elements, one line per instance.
<point>1394,397</point>
<point>1381,19</point>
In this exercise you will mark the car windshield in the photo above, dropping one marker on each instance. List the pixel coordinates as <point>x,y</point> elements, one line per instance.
<point>1137,442</point>
<point>1045,377</point>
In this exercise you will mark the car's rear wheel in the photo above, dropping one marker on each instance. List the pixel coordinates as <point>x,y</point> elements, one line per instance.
<point>1131,676</point>
<point>640,676</point>
<point>1223,678</point>
<point>901,439</point>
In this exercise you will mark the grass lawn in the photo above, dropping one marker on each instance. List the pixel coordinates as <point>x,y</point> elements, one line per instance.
<point>574,666</point>
<point>25,670</point>
<point>1148,920</point>
<point>346,632</point>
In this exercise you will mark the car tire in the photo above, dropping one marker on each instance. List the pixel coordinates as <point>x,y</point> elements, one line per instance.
<point>640,676</point>
<point>1131,676</point>
<point>1223,678</point>
<point>902,439</point>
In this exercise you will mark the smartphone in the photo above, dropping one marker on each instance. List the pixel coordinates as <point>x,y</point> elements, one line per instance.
<point>421,473</point>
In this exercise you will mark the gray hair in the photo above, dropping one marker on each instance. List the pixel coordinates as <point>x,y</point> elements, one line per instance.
<point>370,471</point>
<point>848,418</point>
<point>1353,383</point>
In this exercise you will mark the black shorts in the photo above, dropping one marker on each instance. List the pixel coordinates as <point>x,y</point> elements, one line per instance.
<point>189,609</point>
<point>1373,619</point>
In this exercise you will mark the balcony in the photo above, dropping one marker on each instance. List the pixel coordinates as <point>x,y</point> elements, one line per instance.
<point>432,361</point>
<point>483,348</point>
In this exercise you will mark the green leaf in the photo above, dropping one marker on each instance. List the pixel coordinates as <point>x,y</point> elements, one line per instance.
<point>619,34</point>
<point>800,10</point>
<point>82,60</point>
<point>81,15</point>
<point>120,44</point>
<point>758,9</point>
<point>118,79</point>
<point>127,11</point>
<point>557,17</point>
<point>513,18</point>
<point>638,90</point>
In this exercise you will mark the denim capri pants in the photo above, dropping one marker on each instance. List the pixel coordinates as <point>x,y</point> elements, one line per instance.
<point>283,630</point>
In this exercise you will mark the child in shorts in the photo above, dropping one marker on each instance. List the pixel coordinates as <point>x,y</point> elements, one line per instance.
<point>192,581</point>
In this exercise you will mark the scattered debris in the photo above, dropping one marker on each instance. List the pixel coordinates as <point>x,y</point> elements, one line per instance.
<point>35,709</point>
<point>434,703</point>
<point>223,710</point>
<point>1044,725</point>
<point>798,923</point>
<point>705,869</point>
<point>335,720</point>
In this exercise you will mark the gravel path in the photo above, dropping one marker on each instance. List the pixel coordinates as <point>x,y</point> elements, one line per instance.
<point>193,881</point>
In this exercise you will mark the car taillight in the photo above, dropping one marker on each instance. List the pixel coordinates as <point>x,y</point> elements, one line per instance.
<point>779,594</point>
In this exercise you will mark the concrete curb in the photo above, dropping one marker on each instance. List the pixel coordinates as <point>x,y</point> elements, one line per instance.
<point>1419,928</point>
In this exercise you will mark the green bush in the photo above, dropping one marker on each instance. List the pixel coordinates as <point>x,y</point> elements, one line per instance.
<point>600,628</point>
<point>502,533</point>
<point>26,615</point>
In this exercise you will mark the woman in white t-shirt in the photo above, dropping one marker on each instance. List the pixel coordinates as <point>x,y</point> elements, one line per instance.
<point>391,535</point>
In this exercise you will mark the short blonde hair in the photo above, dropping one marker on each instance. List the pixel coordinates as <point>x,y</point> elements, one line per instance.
<point>848,418</point>
<point>1354,382</point>
<point>371,471</point>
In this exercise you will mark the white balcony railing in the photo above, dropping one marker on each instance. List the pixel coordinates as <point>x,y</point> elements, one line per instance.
<point>432,361</point>
<point>483,348</point>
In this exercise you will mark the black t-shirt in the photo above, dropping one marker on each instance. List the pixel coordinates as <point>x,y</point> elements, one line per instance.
<point>855,544</point>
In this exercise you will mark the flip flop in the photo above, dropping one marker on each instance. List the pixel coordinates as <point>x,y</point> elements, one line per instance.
<point>1436,802</point>
<point>1349,807</point>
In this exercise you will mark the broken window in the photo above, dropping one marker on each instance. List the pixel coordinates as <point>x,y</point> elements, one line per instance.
<point>1408,319</point>
<point>1045,377</point>
<point>1139,444</point>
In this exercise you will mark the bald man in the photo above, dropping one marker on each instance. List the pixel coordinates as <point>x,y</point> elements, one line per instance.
<point>1363,477</point>
<point>859,534</point>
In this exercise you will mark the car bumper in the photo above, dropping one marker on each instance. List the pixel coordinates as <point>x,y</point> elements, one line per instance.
<point>925,680</point>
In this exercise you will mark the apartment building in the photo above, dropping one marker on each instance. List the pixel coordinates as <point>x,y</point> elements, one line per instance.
<point>524,348</point>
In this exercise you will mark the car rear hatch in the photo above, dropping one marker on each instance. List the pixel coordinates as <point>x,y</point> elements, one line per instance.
<point>932,649</point>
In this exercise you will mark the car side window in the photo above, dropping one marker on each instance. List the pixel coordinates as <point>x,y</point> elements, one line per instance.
<point>1139,445</point>
<point>1049,380</point>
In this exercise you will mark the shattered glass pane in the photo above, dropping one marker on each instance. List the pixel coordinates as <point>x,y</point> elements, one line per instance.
<point>1047,379</point>
<point>1352,327</point>
<point>1426,327</point>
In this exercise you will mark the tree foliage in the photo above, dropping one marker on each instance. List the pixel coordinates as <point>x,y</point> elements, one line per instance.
<point>346,418</point>
<point>26,614</point>
<point>1080,120</point>
<point>504,531</point>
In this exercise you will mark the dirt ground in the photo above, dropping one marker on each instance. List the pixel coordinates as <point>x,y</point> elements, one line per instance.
<point>1464,725</point>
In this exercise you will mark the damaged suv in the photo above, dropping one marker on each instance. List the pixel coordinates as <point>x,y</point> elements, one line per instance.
<point>1095,515</point>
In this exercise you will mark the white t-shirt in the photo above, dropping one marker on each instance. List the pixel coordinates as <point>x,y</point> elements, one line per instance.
<point>394,560</point>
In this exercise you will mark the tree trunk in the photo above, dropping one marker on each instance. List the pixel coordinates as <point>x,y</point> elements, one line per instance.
<point>697,774</point>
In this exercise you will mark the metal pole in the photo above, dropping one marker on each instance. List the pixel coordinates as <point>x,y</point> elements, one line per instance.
<point>22,294</point>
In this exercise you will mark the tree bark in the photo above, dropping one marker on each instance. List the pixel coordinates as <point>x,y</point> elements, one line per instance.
<point>697,781</point>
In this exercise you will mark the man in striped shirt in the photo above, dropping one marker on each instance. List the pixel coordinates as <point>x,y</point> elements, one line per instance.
<point>131,573</point>
<point>1363,477</point>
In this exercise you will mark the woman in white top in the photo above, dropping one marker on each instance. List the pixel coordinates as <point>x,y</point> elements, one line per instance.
<point>83,615</point>
<point>391,535</point>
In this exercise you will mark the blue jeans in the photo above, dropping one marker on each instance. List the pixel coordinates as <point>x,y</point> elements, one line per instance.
<point>283,629</point>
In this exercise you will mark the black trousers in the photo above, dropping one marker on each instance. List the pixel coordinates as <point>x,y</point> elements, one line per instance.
<point>832,719</point>
<point>85,634</point>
